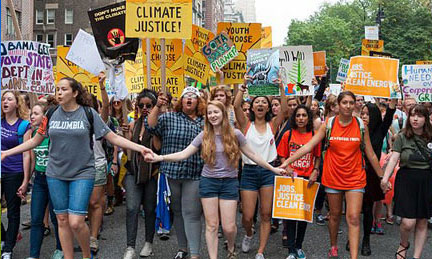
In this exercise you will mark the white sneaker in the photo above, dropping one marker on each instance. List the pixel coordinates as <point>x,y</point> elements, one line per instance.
<point>246,243</point>
<point>130,253</point>
<point>291,256</point>
<point>6,255</point>
<point>147,250</point>
<point>259,256</point>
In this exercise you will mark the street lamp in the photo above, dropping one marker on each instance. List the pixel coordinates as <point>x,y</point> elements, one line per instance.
<point>379,18</point>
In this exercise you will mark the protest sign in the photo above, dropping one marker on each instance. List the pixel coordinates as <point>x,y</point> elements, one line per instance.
<point>26,66</point>
<point>170,19</point>
<point>296,69</point>
<point>335,89</point>
<point>219,51</point>
<point>196,65</point>
<point>380,54</point>
<point>174,66</point>
<point>373,76</point>
<point>371,32</point>
<point>293,200</point>
<point>319,58</point>
<point>263,67</point>
<point>417,82</point>
<point>84,53</point>
<point>423,62</point>
<point>368,45</point>
<point>245,36</point>
<point>108,25</point>
<point>266,37</point>
<point>134,73</point>
<point>343,70</point>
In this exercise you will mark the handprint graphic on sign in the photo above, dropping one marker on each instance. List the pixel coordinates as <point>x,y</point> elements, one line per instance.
<point>116,37</point>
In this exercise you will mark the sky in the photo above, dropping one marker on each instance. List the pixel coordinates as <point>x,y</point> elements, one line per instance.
<point>279,13</point>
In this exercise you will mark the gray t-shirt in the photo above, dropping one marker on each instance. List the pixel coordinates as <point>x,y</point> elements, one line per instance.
<point>221,169</point>
<point>70,155</point>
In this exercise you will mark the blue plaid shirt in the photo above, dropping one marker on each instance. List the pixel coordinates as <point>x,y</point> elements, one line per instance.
<point>177,130</point>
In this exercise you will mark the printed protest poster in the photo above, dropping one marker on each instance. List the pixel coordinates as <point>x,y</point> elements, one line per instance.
<point>108,25</point>
<point>423,62</point>
<point>26,66</point>
<point>372,32</point>
<point>266,37</point>
<point>373,76</point>
<point>417,82</point>
<point>263,67</point>
<point>174,65</point>
<point>343,70</point>
<point>368,45</point>
<point>293,200</point>
<point>170,19</point>
<point>380,54</point>
<point>297,69</point>
<point>134,73</point>
<point>220,51</point>
<point>245,36</point>
<point>319,58</point>
<point>196,65</point>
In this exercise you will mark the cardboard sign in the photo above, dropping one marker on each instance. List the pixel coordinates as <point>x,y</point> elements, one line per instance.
<point>368,45</point>
<point>26,66</point>
<point>372,32</point>
<point>84,53</point>
<point>266,37</point>
<point>196,65</point>
<point>134,73</point>
<point>423,62</point>
<point>343,70</point>
<point>263,66</point>
<point>245,36</point>
<point>319,58</point>
<point>219,51</point>
<point>297,69</point>
<point>170,19</point>
<point>417,82</point>
<point>174,66</point>
<point>373,76</point>
<point>293,200</point>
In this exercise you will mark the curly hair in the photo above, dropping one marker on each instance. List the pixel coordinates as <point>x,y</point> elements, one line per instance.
<point>22,111</point>
<point>200,109</point>
<point>309,125</point>
<point>226,90</point>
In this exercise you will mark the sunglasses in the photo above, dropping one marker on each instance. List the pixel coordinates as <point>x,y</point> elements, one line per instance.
<point>148,105</point>
<point>116,102</point>
<point>191,96</point>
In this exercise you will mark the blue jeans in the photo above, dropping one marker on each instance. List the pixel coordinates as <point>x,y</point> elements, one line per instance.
<point>40,200</point>
<point>70,197</point>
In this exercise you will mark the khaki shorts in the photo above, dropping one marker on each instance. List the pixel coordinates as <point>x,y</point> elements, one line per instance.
<point>101,175</point>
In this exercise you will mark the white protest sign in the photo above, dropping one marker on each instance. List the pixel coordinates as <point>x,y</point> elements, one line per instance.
<point>335,89</point>
<point>85,54</point>
<point>417,81</point>
<point>343,70</point>
<point>372,32</point>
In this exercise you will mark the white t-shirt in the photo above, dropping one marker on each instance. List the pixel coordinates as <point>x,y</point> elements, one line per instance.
<point>263,145</point>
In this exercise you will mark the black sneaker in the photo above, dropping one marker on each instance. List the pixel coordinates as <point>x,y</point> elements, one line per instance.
<point>320,220</point>
<point>366,250</point>
<point>181,254</point>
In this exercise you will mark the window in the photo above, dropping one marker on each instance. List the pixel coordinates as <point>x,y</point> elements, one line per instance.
<point>9,24</point>
<point>50,16</point>
<point>50,40</point>
<point>68,39</point>
<point>68,16</point>
<point>39,17</point>
<point>39,37</point>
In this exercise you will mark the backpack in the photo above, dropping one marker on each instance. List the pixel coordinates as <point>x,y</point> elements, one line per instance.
<point>329,126</point>
<point>22,128</point>
<point>88,113</point>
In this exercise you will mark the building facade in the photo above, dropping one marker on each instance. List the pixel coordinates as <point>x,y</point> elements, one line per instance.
<point>24,13</point>
<point>231,14</point>
<point>197,12</point>
<point>247,8</point>
<point>213,12</point>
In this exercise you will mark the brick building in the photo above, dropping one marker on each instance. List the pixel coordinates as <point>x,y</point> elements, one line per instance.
<point>213,12</point>
<point>24,12</point>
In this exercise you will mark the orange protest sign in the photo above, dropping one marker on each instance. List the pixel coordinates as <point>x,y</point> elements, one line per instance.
<point>368,45</point>
<point>423,62</point>
<point>293,200</point>
<point>319,58</point>
<point>373,76</point>
<point>266,37</point>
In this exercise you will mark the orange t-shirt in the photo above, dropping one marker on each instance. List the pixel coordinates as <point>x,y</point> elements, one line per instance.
<point>304,165</point>
<point>343,159</point>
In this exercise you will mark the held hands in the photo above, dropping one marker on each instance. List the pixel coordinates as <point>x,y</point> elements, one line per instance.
<point>4,154</point>
<point>385,185</point>
<point>22,191</point>
<point>153,158</point>
<point>278,170</point>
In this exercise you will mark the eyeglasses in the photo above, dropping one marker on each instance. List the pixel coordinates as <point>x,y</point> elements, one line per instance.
<point>191,96</point>
<point>116,102</point>
<point>148,105</point>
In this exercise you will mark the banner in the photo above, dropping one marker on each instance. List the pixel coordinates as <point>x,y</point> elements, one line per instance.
<point>343,70</point>
<point>373,76</point>
<point>196,65</point>
<point>297,69</point>
<point>423,62</point>
<point>368,45</point>
<point>245,36</point>
<point>417,82</point>
<point>170,19</point>
<point>380,54</point>
<point>371,32</point>
<point>263,66</point>
<point>108,25</point>
<point>134,73</point>
<point>26,66</point>
<point>319,58</point>
<point>174,66</point>
<point>293,200</point>
<point>220,51</point>
<point>266,37</point>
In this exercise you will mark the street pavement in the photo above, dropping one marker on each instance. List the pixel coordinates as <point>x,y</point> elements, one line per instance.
<point>316,244</point>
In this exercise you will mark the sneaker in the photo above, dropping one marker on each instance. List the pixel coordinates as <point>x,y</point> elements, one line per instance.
<point>333,253</point>
<point>291,256</point>
<point>259,256</point>
<point>58,254</point>
<point>301,254</point>
<point>379,230</point>
<point>246,243</point>
<point>232,255</point>
<point>390,220</point>
<point>129,253</point>
<point>47,231</point>
<point>373,230</point>
<point>366,250</point>
<point>94,245</point>
<point>181,254</point>
<point>109,211</point>
<point>320,220</point>
<point>147,250</point>
<point>6,255</point>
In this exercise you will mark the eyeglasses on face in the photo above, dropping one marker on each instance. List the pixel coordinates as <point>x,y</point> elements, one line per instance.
<point>148,105</point>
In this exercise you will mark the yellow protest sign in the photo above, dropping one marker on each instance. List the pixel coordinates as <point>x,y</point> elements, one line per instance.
<point>170,19</point>
<point>293,200</point>
<point>134,73</point>
<point>244,36</point>
<point>174,65</point>
<point>196,65</point>
<point>373,76</point>
<point>374,45</point>
<point>266,37</point>
<point>423,62</point>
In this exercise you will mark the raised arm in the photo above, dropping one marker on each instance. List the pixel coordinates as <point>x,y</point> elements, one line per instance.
<point>105,98</point>
<point>280,118</point>
<point>247,150</point>
<point>26,146</point>
<point>152,118</point>
<point>241,118</point>
<point>373,159</point>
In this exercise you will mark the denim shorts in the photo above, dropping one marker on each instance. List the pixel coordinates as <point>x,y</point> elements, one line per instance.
<point>222,188</point>
<point>255,177</point>
<point>101,175</point>
<point>70,197</point>
<point>335,191</point>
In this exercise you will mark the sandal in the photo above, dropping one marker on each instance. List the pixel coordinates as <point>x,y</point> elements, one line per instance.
<point>398,254</point>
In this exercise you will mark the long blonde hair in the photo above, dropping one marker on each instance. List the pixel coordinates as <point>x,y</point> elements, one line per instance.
<point>21,110</point>
<point>229,140</point>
